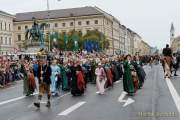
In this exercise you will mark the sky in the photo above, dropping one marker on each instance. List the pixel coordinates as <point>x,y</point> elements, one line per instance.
<point>151,19</point>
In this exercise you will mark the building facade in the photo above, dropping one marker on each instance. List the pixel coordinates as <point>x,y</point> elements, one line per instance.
<point>137,42</point>
<point>122,40</point>
<point>145,49</point>
<point>176,44</point>
<point>79,19</point>
<point>6,33</point>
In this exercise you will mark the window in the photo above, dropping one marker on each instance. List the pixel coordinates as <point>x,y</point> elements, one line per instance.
<point>71,24</point>
<point>9,27</point>
<point>5,40</point>
<point>1,25</point>
<point>26,27</point>
<point>56,25</point>
<point>5,25</point>
<point>9,41</point>
<point>1,40</point>
<point>79,23</point>
<point>64,24</point>
<point>107,22</point>
<point>87,22</point>
<point>19,27</point>
<point>47,26</point>
<point>19,37</point>
<point>96,22</point>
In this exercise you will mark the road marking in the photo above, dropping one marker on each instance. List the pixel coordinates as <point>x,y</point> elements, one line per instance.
<point>43,102</point>
<point>127,102</point>
<point>61,96</point>
<point>71,109</point>
<point>14,99</point>
<point>174,93</point>
<point>123,94</point>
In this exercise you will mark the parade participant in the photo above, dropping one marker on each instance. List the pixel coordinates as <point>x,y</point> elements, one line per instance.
<point>175,64</point>
<point>26,72</point>
<point>128,84</point>
<point>100,79</point>
<point>31,81</point>
<point>115,70</point>
<point>54,78</point>
<point>151,62</point>
<point>64,75</point>
<point>109,74</point>
<point>75,70</point>
<point>119,66</point>
<point>44,73</point>
<point>167,61</point>
<point>140,71</point>
<point>35,71</point>
<point>81,85</point>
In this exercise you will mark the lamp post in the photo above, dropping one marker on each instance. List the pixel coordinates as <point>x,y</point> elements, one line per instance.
<point>48,9</point>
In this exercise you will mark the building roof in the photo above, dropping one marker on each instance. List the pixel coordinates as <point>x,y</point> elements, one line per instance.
<point>5,13</point>
<point>61,13</point>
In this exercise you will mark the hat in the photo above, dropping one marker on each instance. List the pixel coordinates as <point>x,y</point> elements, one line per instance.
<point>99,64</point>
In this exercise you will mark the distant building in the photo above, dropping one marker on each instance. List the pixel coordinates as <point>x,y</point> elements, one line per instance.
<point>64,20</point>
<point>145,49</point>
<point>6,33</point>
<point>83,19</point>
<point>174,41</point>
<point>176,44</point>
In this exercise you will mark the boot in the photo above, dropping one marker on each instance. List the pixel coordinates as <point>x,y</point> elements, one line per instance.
<point>37,104</point>
<point>48,104</point>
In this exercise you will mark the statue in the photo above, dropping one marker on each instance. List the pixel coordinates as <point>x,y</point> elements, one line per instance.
<point>36,33</point>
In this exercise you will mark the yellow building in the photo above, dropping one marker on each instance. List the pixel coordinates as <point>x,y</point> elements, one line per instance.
<point>6,33</point>
<point>64,20</point>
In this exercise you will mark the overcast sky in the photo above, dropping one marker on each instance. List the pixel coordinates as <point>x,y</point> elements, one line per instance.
<point>149,18</point>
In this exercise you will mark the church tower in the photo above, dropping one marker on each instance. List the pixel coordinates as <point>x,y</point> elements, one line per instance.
<point>172,35</point>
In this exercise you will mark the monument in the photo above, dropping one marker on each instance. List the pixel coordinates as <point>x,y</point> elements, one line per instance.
<point>35,39</point>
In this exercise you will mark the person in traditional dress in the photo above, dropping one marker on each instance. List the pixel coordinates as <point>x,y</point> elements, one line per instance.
<point>44,74</point>
<point>175,64</point>
<point>31,81</point>
<point>35,71</point>
<point>26,81</point>
<point>115,70</point>
<point>109,74</point>
<point>140,71</point>
<point>64,75</point>
<point>100,79</point>
<point>128,84</point>
<point>77,82</point>
<point>54,78</point>
<point>167,61</point>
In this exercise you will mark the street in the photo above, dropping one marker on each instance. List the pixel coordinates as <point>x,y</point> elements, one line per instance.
<point>157,100</point>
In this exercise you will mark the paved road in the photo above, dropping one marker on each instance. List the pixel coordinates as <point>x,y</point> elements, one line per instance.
<point>155,101</point>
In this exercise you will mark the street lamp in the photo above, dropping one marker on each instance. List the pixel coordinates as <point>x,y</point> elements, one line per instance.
<point>48,9</point>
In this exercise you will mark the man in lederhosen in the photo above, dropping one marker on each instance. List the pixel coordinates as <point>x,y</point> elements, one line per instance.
<point>44,73</point>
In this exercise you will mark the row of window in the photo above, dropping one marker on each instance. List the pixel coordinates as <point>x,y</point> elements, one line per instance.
<point>64,24</point>
<point>19,37</point>
<point>5,41</point>
<point>6,26</point>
